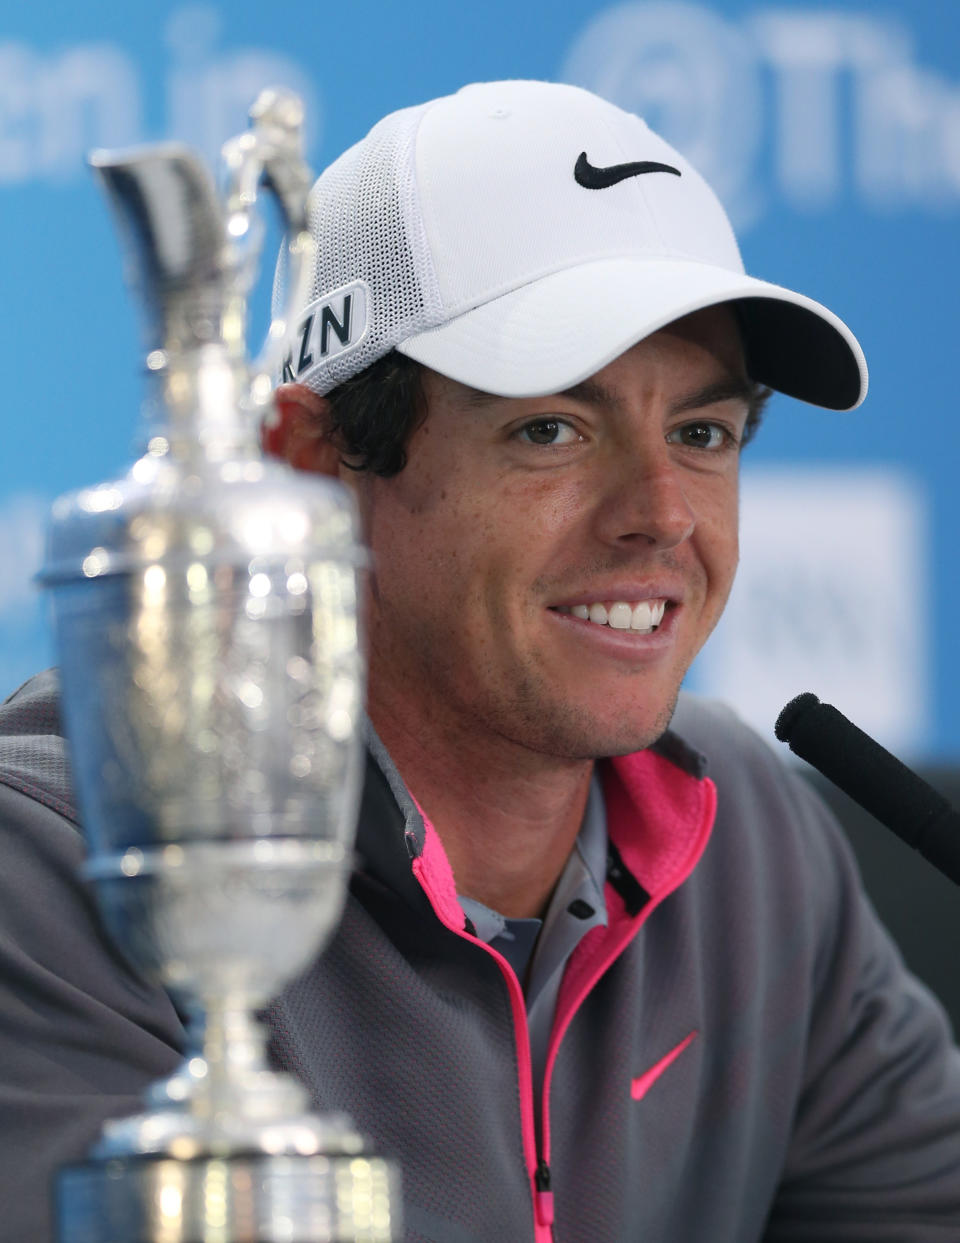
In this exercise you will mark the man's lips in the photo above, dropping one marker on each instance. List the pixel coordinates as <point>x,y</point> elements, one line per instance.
<point>626,590</point>
<point>644,642</point>
<point>643,617</point>
<point>624,607</point>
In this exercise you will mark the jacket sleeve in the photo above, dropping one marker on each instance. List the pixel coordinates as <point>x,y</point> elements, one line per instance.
<point>874,1156</point>
<point>80,1034</point>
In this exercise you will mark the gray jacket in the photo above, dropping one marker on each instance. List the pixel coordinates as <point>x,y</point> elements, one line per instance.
<point>739,1056</point>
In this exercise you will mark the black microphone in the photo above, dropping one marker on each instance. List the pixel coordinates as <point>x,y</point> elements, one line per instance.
<point>874,778</point>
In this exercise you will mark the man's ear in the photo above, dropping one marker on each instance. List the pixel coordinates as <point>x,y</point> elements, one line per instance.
<point>298,432</point>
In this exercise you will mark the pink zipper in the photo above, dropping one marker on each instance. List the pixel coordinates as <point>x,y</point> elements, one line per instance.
<point>567,1005</point>
<point>578,980</point>
<point>541,1195</point>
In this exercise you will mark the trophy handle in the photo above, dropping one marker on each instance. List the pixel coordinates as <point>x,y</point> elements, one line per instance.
<point>271,154</point>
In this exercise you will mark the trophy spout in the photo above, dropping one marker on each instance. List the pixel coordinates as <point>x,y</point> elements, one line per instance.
<point>172,227</point>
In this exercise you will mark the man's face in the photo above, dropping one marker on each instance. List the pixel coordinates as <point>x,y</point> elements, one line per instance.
<point>514,517</point>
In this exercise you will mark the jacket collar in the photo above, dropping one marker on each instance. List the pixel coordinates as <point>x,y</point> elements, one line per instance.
<point>659,816</point>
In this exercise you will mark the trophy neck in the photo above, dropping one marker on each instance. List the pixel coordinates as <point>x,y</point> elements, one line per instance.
<point>200,405</point>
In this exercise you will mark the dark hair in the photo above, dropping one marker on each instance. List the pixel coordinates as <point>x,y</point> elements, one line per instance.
<point>374,414</point>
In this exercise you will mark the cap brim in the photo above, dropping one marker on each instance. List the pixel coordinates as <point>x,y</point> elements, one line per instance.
<point>549,335</point>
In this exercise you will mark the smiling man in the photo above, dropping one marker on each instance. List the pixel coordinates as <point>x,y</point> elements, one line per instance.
<point>605,972</point>
<point>546,570</point>
<point>545,362</point>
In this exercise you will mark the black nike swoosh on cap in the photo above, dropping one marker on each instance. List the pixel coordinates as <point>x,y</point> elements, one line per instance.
<point>593,178</point>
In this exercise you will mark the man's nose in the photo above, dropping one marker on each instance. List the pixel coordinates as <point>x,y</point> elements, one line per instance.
<point>646,502</point>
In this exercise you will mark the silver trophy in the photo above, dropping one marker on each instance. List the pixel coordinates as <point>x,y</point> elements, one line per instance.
<point>206,618</point>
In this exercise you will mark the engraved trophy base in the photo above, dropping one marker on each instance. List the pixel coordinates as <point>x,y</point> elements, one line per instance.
<point>226,1150</point>
<point>248,1198</point>
<point>227,1153</point>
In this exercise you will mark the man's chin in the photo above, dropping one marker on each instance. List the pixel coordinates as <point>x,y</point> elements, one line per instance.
<point>583,736</point>
<point>627,744</point>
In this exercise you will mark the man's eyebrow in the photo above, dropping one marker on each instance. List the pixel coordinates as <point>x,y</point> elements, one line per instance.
<point>592,393</point>
<point>732,388</point>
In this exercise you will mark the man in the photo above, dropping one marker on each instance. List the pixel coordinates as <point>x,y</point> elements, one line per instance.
<point>582,990</point>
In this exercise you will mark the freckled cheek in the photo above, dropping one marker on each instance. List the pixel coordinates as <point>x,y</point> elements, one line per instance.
<point>489,547</point>
<point>531,524</point>
<point>482,544</point>
<point>717,537</point>
<point>547,507</point>
<point>526,536</point>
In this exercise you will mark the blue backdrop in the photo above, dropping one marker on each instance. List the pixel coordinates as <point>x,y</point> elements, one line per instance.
<point>832,132</point>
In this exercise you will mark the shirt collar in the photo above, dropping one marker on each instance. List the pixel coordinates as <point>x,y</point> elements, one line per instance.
<point>577,904</point>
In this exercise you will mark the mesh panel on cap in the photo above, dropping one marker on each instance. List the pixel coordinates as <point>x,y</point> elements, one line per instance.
<point>366,221</point>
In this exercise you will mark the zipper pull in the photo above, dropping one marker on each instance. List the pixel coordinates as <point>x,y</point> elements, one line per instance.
<point>544,1196</point>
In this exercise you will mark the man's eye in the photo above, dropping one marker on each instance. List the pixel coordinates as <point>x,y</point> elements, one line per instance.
<point>701,436</point>
<point>548,432</point>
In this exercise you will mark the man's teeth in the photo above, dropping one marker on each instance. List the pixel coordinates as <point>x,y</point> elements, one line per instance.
<point>619,615</point>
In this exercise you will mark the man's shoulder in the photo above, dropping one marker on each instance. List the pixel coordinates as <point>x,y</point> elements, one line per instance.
<point>34,707</point>
<point>33,753</point>
<point>766,808</point>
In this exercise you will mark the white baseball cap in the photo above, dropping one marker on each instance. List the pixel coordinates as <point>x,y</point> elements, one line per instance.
<point>519,236</point>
